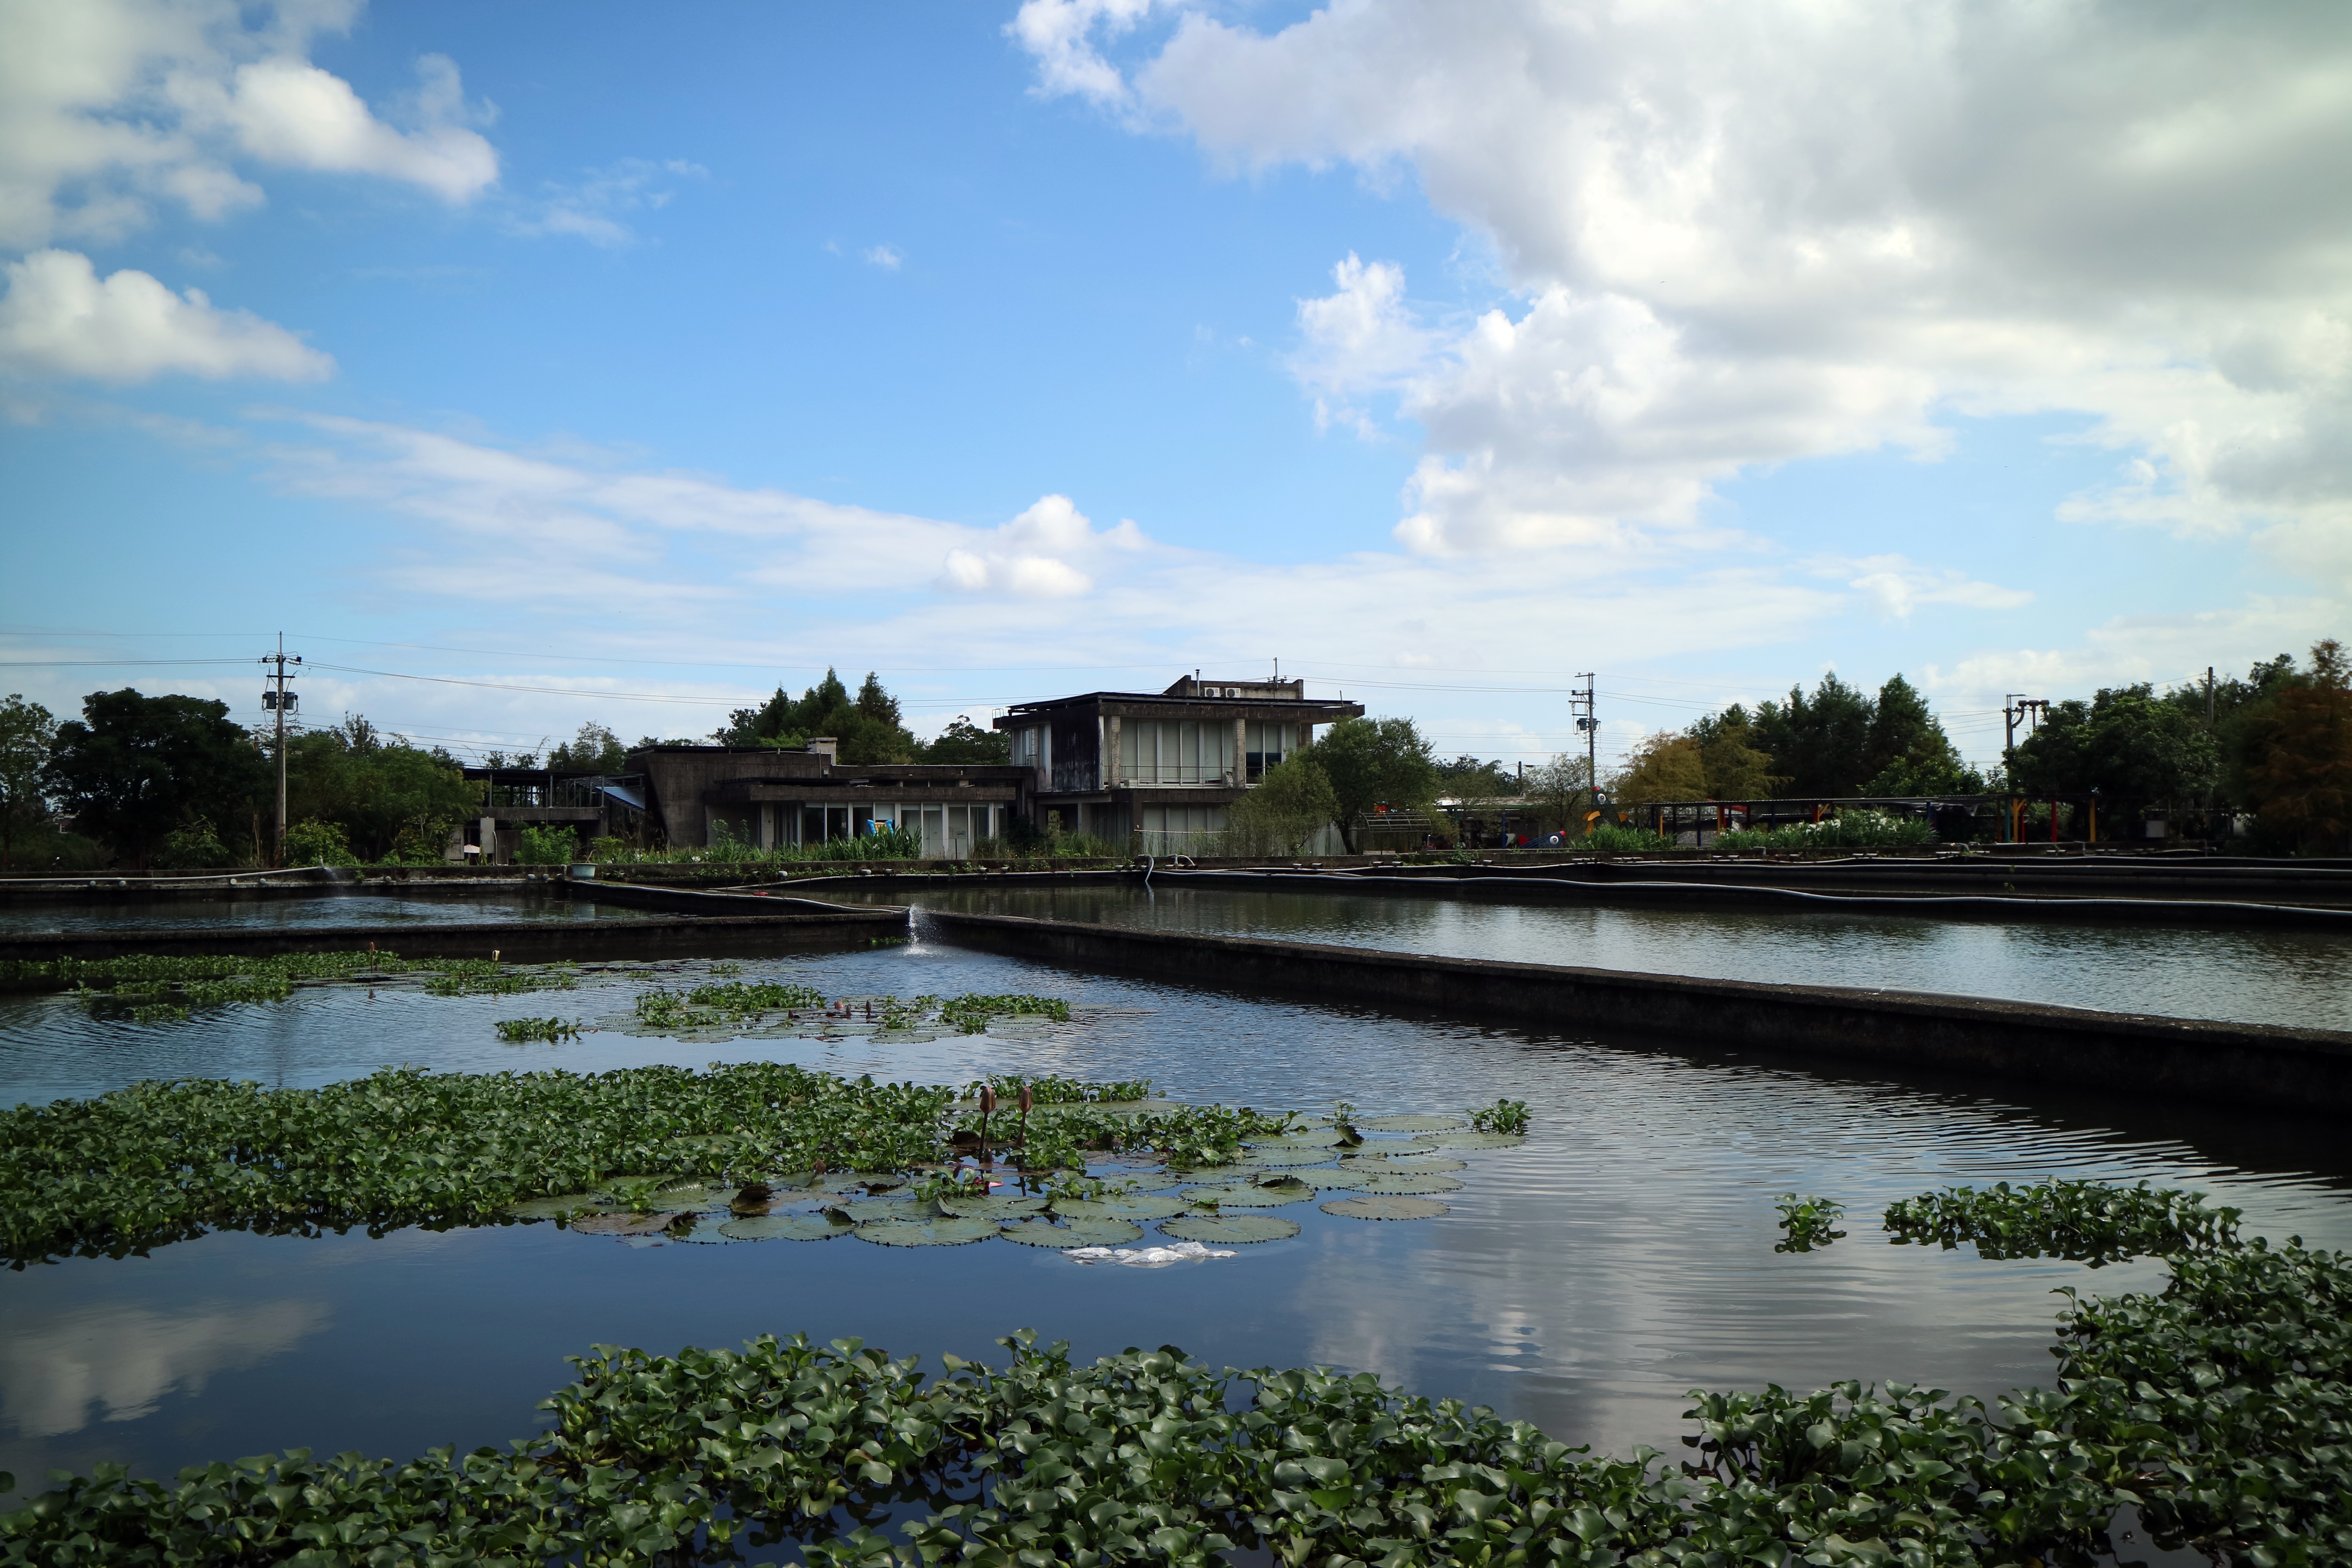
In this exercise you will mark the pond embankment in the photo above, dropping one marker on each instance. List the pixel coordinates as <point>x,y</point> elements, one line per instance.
<point>1992,1042</point>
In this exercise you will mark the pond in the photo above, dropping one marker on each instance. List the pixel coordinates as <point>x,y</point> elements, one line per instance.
<point>1582,1281</point>
<point>2246,975</point>
<point>308,909</point>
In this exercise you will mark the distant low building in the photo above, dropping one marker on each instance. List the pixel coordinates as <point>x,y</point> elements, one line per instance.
<point>1156,772</point>
<point>769,796</point>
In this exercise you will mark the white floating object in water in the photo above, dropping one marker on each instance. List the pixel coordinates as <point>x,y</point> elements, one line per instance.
<point>1147,1256</point>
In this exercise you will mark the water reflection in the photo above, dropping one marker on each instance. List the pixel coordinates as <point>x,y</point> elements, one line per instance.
<point>305,910</point>
<point>2274,976</point>
<point>116,1362</point>
<point>1582,1281</point>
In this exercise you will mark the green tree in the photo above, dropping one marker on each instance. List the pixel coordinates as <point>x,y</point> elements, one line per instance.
<point>868,729</point>
<point>2298,755</point>
<point>1291,803</point>
<point>1376,761</point>
<point>385,795</point>
<point>595,750</point>
<point>134,767</point>
<point>1732,757</point>
<point>28,731</point>
<point>1818,744</point>
<point>1908,752</point>
<point>2130,745</point>
<point>965,741</point>
<point>1664,766</point>
<point>1561,791</point>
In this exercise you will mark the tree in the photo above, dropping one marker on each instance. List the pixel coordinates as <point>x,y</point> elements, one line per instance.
<point>134,767</point>
<point>965,741</point>
<point>1908,752</point>
<point>2298,762</point>
<point>1376,761</point>
<point>382,795</point>
<point>1291,803</point>
<point>28,731</point>
<point>868,731</point>
<point>1664,766</point>
<point>1820,745</point>
<point>1732,759</point>
<point>1477,789</point>
<point>2127,743</point>
<point>1562,790</point>
<point>595,750</point>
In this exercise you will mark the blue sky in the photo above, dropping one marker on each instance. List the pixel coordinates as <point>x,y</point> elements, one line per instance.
<point>598,362</point>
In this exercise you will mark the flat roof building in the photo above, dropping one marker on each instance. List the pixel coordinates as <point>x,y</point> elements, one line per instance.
<point>767,797</point>
<point>1156,771</point>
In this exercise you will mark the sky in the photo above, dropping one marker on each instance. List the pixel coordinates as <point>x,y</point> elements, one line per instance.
<point>532,365</point>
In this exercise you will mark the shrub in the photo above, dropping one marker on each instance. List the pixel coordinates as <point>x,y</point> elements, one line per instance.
<point>317,843</point>
<point>554,845</point>
<point>1847,830</point>
<point>193,847</point>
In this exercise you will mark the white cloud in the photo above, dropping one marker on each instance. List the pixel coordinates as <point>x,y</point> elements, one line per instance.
<point>1744,234</point>
<point>888,257</point>
<point>1059,35</point>
<point>59,318</point>
<point>596,208</point>
<point>110,106</point>
<point>1360,339</point>
<point>1896,585</point>
<point>1033,556</point>
<point>117,1363</point>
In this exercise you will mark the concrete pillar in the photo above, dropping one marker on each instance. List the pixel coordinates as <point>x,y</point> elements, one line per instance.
<point>1241,752</point>
<point>1110,779</point>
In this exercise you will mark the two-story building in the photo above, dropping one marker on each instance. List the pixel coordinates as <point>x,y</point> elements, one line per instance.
<point>1157,771</point>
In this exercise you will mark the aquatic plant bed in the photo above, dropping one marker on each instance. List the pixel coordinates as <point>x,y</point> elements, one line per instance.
<point>2209,1417</point>
<point>658,1151</point>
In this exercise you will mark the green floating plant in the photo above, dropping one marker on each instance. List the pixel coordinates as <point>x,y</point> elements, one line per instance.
<point>2214,1410</point>
<point>1807,1221</point>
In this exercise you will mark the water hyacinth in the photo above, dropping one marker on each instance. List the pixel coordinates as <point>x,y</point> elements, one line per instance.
<point>2215,1411</point>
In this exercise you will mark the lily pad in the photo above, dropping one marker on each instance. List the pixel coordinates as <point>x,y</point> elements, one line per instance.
<point>1249,1195</point>
<point>785,1227</point>
<point>625,1223</point>
<point>1379,1207</point>
<point>939,1230</point>
<point>548,1208</point>
<point>1226,1229</point>
<point>1281,1156</point>
<point>1077,1233</point>
<point>1410,1161</point>
<point>1008,1207</point>
<point>1122,1205</point>
<point>1309,1138</point>
<point>1409,1182</point>
<point>1340,1179</point>
<point>1472,1139</point>
<point>1409,1123</point>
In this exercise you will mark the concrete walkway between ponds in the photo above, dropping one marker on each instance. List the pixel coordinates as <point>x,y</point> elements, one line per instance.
<point>1991,1044</point>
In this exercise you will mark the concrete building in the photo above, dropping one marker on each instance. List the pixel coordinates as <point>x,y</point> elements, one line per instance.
<point>768,796</point>
<point>1156,772</point>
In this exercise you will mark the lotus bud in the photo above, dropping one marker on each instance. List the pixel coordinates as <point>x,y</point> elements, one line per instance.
<point>988,1100</point>
<point>1028,1099</point>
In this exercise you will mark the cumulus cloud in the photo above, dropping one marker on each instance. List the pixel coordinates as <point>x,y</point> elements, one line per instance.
<point>1059,35</point>
<point>888,257</point>
<point>108,106</point>
<point>1739,235</point>
<point>1035,555</point>
<point>59,318</point>
<point>1359,339</point>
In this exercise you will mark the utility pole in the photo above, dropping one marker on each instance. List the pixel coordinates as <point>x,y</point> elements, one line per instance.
<point>2208,697</point>
<point>1581,704</point>
<point>279,700</point>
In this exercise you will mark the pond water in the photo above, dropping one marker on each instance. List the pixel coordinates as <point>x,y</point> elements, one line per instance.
<point>2271,976</point>
<point>307,909</point>
<point>1584,1280</point>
